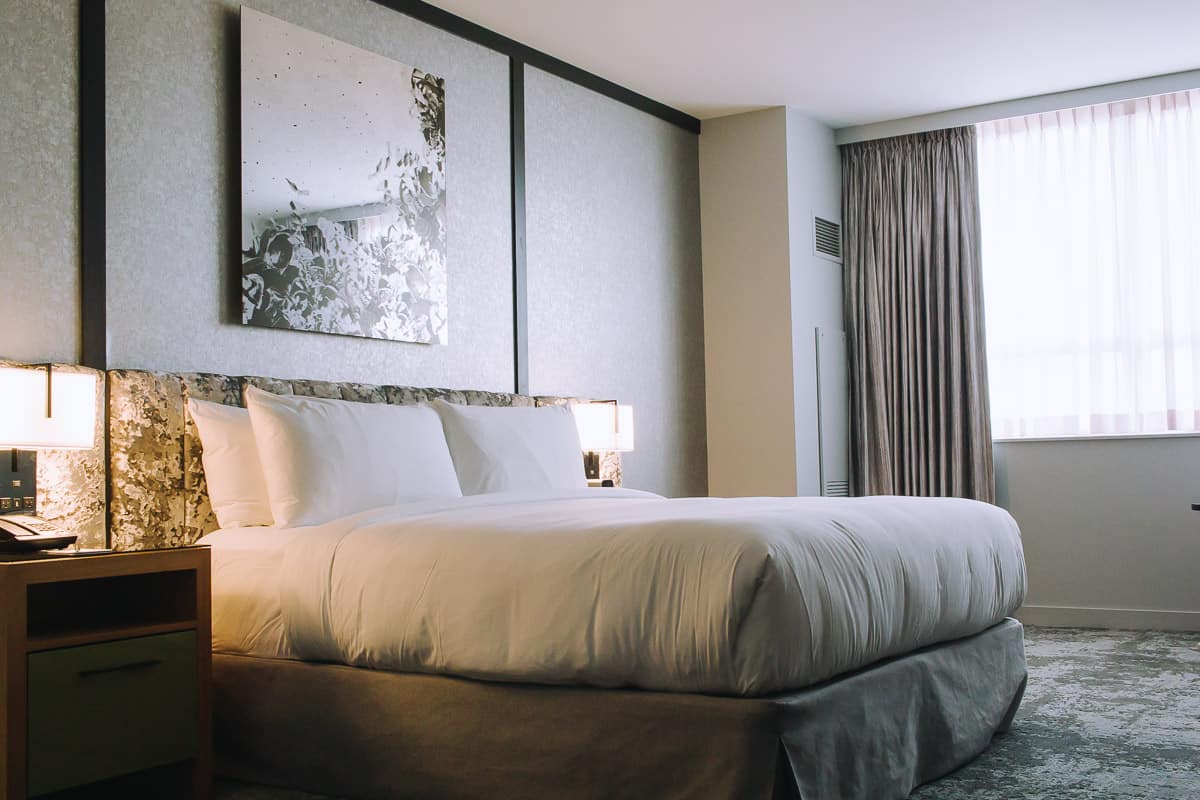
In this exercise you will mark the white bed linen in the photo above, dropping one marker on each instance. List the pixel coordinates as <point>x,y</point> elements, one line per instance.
<point>247,566</point>
<point>614,587</point>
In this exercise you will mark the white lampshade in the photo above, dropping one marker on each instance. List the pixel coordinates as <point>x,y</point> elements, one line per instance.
<point>624,431</point>
<point>23,421</point>
<point>604,426</point>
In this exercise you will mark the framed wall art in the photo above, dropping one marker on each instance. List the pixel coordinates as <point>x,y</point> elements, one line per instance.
<point>343,188</point>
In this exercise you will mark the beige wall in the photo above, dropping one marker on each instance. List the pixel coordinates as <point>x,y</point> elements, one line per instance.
<point>39,186</point>
<point>747,305</point>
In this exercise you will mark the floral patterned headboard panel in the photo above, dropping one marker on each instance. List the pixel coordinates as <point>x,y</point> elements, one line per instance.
<point>158,496</point>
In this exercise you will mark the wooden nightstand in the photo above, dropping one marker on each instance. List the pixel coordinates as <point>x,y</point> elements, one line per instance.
<point>105,675</point>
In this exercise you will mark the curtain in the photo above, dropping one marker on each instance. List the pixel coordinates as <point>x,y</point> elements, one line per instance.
<point>1091,258</point>
<point>919,422</point>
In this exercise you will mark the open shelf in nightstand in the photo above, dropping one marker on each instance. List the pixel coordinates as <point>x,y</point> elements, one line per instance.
<point>68,613</point>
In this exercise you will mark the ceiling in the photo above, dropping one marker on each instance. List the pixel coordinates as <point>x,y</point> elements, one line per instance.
<point>851,62</point>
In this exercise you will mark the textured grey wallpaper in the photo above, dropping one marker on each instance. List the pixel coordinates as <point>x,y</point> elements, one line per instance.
<point>173,189</point>
<point>39,189</point>
<point>613,194</point>
<point>615,307</point>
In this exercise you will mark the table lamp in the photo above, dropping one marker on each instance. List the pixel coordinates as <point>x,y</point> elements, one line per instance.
<point>40,408</point>
<point>604,426</point>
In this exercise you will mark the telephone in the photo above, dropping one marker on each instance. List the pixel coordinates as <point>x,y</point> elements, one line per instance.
<point>20,533</point>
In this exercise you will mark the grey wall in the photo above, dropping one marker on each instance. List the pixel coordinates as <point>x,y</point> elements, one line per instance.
<point>614,272</point>
<point>614,290</point>
<point>814,180</point>
<point>39,189</point>
<point>173,225</point>
<point>1110,538</point>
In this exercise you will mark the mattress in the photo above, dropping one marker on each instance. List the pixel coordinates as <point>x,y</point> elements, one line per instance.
<point>615,587</point>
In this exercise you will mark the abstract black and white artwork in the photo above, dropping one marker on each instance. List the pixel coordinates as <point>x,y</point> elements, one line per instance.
<point>343,188</point>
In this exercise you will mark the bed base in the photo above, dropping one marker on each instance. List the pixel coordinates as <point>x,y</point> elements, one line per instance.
<point>877,733</point>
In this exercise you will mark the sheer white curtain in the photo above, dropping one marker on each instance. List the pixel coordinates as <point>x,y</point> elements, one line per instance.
<point>1091,265</point>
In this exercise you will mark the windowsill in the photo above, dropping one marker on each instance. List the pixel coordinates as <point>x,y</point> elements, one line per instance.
<point>1088,437</point>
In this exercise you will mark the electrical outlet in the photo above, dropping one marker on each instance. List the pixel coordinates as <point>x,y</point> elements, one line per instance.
<point>18,481</point>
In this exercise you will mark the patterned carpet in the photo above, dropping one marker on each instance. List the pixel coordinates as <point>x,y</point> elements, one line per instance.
<point>1108,715</point>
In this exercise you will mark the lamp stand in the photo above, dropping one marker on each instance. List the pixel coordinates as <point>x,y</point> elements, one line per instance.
<point>591,465</point>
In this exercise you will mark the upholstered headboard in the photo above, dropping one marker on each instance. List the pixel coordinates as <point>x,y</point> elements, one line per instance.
<point>158,496</point>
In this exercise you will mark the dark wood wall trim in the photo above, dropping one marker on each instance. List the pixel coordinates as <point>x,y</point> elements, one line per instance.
<point>92,294</point>
<point>93,225</point>
<point>516,115</point>
<point>432,15</point>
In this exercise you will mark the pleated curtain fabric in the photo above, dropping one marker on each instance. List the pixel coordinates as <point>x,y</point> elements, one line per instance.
<point>919,417</point>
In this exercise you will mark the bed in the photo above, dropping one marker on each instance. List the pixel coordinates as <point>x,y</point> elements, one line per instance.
<point>612,643</point>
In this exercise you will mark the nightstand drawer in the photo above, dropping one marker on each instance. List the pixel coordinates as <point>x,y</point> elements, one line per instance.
<point>109,709</point>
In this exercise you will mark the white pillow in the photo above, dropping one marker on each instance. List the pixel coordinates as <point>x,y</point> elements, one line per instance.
<point>324,459</point>
<point>236,486</point>
<point>513,449</point>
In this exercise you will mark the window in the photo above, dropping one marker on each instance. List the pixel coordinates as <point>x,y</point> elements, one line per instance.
<point>1091,265</point>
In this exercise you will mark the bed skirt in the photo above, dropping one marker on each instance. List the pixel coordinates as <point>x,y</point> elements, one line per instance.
<point>877,733</point>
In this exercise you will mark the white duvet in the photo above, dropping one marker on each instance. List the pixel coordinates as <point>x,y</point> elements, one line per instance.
<point>621,588</point>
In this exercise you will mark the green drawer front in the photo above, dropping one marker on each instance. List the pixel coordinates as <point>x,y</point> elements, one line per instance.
<point>109,709</point>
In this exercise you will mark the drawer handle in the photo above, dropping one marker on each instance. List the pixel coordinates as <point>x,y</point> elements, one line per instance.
<point>151,662</point>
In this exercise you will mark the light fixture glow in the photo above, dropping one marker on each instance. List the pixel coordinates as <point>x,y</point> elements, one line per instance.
<point>623,435</point>
<point>24,423</point>
<point>604,426</point>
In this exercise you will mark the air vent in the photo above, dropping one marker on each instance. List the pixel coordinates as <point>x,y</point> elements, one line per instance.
<point>837,489</point>
<point>827,239</point>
